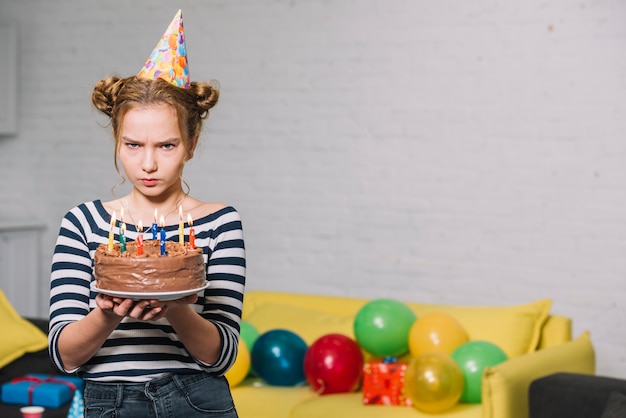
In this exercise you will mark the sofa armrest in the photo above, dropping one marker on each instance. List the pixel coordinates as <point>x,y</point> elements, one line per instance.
<point>505,386</point>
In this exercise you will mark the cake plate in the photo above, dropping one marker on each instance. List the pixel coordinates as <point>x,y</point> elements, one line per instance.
<point>149,295</point>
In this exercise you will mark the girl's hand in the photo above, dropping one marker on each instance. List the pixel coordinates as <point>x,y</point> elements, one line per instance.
<point>145,310</point>
<point>187,300</point>
<point>151,310</point>
<point>111,306</point>
<point>175,305</point>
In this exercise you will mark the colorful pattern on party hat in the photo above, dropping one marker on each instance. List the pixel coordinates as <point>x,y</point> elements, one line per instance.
<point>168,60</point>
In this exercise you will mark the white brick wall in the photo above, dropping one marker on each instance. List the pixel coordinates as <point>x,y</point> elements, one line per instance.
<point>446,152</point>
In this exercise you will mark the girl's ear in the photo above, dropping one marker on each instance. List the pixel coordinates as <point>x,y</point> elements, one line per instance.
<point>194,143</point>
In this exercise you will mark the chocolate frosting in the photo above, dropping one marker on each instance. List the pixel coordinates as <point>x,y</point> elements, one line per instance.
<point>181,269</point>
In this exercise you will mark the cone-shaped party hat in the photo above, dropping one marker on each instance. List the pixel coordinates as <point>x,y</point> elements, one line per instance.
<point>168,60</point>
<point>77,408</point>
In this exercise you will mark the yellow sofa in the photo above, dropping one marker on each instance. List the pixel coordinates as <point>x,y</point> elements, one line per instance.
<point>536,343</point>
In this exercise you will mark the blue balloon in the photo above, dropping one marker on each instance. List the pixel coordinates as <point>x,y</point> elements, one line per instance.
<point>278,357</point>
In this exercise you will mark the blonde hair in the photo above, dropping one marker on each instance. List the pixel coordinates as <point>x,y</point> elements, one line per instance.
<point>115,96</point>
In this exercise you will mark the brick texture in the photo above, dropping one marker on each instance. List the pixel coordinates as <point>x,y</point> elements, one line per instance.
<point>447,152</point>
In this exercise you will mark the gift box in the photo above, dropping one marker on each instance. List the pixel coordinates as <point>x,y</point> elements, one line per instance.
<point>40,389</point>
<point>383,383</point>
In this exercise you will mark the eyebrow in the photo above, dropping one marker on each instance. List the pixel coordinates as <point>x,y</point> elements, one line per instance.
<point>166,141</point>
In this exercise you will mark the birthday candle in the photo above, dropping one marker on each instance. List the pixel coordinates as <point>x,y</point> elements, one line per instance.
<point>154,226</point>
<point>181,226</point>
<point>140,238</point>
<point>113,221</point>
<point>192,233</point>
<point>122,237</point>
<point>162,222</point>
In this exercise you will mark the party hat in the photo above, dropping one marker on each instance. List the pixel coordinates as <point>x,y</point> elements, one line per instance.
<point>168,60</point>
<point>77,408</point>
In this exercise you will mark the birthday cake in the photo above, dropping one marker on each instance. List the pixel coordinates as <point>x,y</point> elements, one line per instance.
<point>181,268</point>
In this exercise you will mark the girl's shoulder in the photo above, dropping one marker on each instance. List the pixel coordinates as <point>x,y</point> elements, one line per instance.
<point>89,209</point>
<point>199,209</point>
<point>209,208</point>
<point>210,212</point>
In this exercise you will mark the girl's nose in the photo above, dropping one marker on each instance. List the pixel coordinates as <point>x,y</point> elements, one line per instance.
<point>149,164</point>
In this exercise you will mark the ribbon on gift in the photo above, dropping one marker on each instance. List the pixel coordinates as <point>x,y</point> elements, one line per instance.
<point>38,381</point>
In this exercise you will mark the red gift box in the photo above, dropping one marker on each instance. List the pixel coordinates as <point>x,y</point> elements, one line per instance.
<point>383,383</point>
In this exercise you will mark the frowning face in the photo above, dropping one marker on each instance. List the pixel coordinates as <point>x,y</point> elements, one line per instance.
<point>151,150</point>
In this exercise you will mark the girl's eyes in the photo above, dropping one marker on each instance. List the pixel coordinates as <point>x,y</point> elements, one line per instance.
<point>164,146</point>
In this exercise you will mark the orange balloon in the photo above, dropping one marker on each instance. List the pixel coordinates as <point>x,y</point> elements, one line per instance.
<point>436,332</point>
<point>241,367</point>
<point>433,382</point>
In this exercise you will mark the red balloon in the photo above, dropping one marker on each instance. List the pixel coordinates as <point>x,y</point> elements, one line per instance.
<point>333,364</point>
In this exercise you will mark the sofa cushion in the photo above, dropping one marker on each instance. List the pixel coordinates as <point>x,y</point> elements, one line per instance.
<point>255,399</point>
<point>351,405</point>
<point>516,329</point>
<point>557,330</point>
<point>19,336</point>
<point>309,324</point>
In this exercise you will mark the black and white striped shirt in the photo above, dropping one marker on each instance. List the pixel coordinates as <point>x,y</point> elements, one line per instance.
<point>138,351</point>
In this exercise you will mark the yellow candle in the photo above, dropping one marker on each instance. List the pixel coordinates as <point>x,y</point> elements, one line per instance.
<point>181,227</point>
<point>111,233</point>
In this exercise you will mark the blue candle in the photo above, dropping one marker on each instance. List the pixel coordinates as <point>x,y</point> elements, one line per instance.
<point>154,226</point>
<point>162,236</point>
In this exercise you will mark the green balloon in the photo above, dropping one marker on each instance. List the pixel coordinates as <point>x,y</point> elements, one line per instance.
<point>248,334</point>
<point>382,327</point>
<point>473,357</point>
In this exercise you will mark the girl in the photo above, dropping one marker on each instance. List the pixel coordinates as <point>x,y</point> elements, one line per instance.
<point>150,358</point>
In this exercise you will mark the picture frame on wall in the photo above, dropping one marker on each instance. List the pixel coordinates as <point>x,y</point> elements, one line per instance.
<point>8,88</point>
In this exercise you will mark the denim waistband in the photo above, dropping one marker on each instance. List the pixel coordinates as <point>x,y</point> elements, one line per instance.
<point>119,391</point>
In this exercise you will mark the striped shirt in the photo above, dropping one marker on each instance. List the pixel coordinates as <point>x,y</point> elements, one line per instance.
<point>138,351</point>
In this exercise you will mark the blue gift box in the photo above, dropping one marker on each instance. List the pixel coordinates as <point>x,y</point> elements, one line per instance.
<point>41,389</point>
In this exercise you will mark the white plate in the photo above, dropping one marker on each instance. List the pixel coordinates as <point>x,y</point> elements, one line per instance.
<point>149,295</point>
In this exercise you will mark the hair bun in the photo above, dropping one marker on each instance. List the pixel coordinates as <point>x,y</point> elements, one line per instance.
<point>104,94</point>
<point>207,95</point>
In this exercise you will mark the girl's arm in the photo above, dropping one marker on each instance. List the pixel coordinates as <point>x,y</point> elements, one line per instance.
<point>211,337</point>
<point>80,340</point>
<point>200,337</point>
<point>77,331</point>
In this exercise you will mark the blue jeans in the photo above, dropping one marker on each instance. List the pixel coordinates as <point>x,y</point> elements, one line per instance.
<point>175,395</point>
